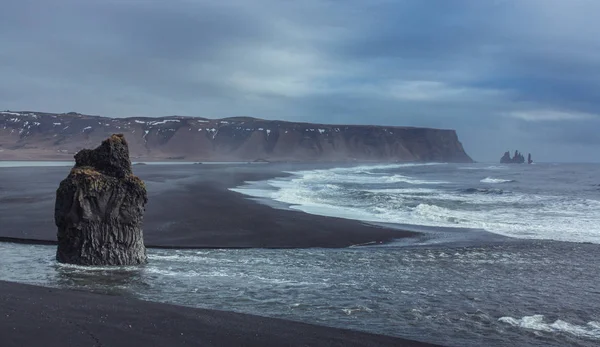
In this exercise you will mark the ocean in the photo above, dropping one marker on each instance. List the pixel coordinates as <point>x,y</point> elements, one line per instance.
<point>507,256</point>
<point>542,201</point>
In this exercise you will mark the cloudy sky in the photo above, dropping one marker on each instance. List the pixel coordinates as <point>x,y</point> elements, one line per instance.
<point>505,74</point>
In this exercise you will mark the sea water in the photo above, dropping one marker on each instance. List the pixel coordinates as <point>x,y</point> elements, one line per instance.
<point>539,287</point>
<point>541,293</point>
<point>542,201</point>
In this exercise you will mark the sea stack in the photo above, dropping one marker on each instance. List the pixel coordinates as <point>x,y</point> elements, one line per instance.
<point>518,158</point>
<point>100,207</point>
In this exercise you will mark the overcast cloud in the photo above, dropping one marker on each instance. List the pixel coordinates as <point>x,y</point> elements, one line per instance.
<point>506,74</point>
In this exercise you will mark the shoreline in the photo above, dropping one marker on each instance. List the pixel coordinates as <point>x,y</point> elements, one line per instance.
<point>191,206</point>
<point>34,315</point>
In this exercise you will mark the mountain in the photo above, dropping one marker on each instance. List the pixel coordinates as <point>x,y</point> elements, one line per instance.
<point>46,136</point>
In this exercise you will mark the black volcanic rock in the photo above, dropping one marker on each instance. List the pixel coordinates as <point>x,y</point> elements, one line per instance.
<point>99,208</point>
<point>518,158</point>
<point>111,158</point>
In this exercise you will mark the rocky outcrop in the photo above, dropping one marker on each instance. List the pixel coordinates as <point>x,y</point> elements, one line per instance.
<point>35,135</point>
<point>518,158</point>
<point>99,208</point>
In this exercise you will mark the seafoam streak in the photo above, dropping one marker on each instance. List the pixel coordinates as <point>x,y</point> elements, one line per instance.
<point>536,322</point>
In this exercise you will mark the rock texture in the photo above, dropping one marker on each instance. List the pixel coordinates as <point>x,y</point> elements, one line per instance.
<point>37,136</point>
<point>518,158</point>
<point>99,208</point>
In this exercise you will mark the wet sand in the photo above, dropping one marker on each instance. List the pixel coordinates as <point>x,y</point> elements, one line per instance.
<point>37,316</point>
<point>190,206</point>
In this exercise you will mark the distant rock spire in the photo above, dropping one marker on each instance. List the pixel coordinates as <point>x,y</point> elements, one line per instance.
<point>518,158</point>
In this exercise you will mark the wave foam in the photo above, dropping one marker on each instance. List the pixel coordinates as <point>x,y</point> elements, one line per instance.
<point>495,180</point>
<point>536,322</point>
<point>409,180</point>
<point>492,167</point>
<point>365,177</point>
<point>90,268</point>
<point>397,198</point>
<point>370,168</point>
<point>482,191</point>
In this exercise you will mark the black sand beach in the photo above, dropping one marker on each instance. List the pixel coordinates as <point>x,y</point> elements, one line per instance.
<point>37,316</point>
<point>189,206</point>
<point>447,286</point>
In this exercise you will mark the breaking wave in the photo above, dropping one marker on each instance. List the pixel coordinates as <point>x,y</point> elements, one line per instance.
<point>483,191</point>
<point>495,180</point>
<point>436,196</point>
<point>537,323</point>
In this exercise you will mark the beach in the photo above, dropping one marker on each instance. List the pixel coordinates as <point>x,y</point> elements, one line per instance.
<point>190,206</point>
<point>37,316</point>
<point>489,254</point>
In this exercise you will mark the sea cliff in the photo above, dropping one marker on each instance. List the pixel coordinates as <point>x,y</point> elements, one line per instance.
<point>37,136</point>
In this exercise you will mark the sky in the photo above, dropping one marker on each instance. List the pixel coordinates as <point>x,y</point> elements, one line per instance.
<point>505,74</point>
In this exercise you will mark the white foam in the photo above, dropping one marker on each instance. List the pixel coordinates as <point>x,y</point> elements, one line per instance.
<point>90,268</point>
<point>184,258</point>
<point>495,180</point>
<point>338,193</point>
<point>400,178</point>
<point>536,322</point>
<point>492,167</point>
<point>334,177</point>
<point>357,175</point>
<point>350,311</point>
<point>381,167</point>
<point>173,273</point>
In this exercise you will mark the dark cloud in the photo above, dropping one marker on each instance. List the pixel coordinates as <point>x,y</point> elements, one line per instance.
<point>504,73</point>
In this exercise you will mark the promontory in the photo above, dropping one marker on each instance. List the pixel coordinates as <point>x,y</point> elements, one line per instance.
<point>28,135</point>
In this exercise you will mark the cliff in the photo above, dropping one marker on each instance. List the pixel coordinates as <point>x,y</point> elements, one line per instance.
<point>39,136</point>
